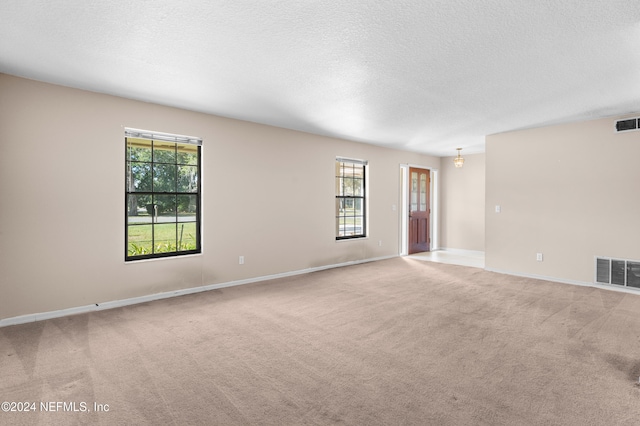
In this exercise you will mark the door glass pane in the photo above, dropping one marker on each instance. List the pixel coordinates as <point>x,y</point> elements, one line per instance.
<point>414,191</point>
<point>139,240</point>
<point>423,192</point>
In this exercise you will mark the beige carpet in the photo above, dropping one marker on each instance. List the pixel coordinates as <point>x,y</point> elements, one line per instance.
<point>395,342</point>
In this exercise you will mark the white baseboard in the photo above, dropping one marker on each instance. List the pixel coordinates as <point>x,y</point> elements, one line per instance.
<point>22,319</point>
<point>566,281</point>
<point>461,252</point>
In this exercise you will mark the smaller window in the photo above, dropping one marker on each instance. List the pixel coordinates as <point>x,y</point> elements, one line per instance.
<point>350,198</point>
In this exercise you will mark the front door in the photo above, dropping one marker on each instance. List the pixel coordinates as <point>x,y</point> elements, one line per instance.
<point>419,211</point>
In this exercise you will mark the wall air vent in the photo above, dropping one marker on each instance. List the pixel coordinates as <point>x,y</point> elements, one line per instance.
<point>628,124</point>
<point>620,272</point>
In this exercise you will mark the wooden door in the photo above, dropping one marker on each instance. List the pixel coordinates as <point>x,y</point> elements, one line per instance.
<point>419,210</point>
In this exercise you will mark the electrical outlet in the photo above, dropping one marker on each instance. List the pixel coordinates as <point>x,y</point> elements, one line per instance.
<point>241,260</point>
<point>380,243</point>
<point>539,257</point>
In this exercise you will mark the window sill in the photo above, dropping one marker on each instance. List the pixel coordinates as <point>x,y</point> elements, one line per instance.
<point>156,259</point>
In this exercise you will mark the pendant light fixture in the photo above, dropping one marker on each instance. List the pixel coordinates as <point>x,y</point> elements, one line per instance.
<point>458,161</point>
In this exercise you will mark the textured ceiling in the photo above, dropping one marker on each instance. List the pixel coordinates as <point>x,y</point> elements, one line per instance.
<point>425,76</point>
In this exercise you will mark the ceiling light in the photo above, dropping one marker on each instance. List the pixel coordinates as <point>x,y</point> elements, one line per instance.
<point>458,161</point>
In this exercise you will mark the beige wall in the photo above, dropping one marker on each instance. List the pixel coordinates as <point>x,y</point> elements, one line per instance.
<point>567,191</point>
<point>462,206</point>
<point>268,194</point>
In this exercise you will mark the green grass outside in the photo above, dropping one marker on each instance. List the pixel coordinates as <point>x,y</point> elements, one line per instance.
<point>161,238</point>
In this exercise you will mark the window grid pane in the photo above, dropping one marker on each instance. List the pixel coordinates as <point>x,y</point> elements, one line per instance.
<point>350,200</point>
<point>162,199</point>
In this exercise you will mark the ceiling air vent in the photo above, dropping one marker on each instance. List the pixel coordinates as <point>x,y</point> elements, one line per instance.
<point>620,272</point>
<point>628,124</point>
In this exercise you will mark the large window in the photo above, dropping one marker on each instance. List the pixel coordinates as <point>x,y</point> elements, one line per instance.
<point>162,195</point>
<point>350,198</point>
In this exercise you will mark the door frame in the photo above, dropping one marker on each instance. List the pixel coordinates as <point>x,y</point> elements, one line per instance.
<point>434,197</point>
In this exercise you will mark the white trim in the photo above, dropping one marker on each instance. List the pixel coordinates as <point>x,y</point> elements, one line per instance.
<point>161,136</point>
<point>462,252</point>
<point>341,240</point>
<point>435,208</point>
<point>565,281</point>
<point>158,296</point>
<point>419,166</point>
<point>402,210</point>
<point>352,160</point>
<point>157,259</point>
